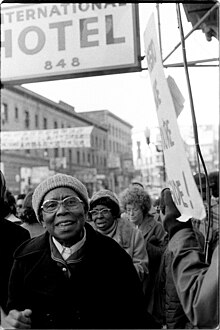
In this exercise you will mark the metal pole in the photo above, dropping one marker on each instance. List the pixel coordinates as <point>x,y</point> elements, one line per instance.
<point>193,63</point>
<point>195,129</point>
<point>161,52</point>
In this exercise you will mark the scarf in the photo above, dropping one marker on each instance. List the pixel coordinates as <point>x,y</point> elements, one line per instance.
<point>110,231</point>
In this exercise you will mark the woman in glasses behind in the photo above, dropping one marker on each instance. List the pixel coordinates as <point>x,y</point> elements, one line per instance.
<point>104,216</point>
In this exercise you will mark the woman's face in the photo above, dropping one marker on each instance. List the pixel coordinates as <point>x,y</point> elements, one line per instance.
<point>134,213</point>
<point>66,223</point>
<point>102,217</point>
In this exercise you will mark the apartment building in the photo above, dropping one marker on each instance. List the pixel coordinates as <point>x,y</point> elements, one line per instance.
<point>119,145</point>
<point>24,110</point>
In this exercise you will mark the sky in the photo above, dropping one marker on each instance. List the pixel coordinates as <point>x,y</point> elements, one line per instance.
<point>130,96</point>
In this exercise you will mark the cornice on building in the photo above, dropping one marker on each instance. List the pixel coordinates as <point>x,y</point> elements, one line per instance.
<point>61,106</point>
<point>108,113</point>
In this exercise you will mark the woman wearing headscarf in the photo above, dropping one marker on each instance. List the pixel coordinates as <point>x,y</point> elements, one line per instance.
<point>105,215</point>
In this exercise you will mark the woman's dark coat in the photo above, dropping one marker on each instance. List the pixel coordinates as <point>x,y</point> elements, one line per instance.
<point>11,236</point>
<point>103,290</point>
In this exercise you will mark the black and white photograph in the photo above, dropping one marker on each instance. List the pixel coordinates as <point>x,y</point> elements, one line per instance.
<point>109,165</point>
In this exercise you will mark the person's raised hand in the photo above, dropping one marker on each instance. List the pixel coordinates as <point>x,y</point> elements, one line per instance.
<point>171,213</point>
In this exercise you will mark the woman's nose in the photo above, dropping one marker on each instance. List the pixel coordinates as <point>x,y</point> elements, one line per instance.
<point>61,208</point>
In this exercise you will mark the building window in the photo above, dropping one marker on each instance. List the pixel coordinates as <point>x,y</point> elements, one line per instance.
<point>26,119</point>
<point>105,162</point>
<point>56,153</point>
<point>83,157</point>
<point>4,113</point>
<point>114,146</point>
<point>63,152</point>
<point>45,123</point>
<point>16,113</point>
<point>78,157</point>
<point>88,158</point>
<point>70,156</point>
<point>36,121</point>
<point>55,124</point>
<point>104,144</point>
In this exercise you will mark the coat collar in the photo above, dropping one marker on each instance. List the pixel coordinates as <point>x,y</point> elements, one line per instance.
<point>35,245</point>
<point>147,224</point>
<point>41,243</point>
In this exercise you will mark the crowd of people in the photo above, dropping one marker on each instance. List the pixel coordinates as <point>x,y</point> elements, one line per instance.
<point>105,262</point>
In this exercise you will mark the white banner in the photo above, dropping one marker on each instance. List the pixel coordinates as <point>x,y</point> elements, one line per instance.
<point>46,41</point>
<point>180,178</point>
<point>74,137</point>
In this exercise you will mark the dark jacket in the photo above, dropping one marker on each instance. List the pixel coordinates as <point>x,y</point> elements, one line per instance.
<point>155,240</point>
<point>154,236</point>
<point>11,236</point>
<point>103,290</point>
<point>167,307</point>
<point>197,283</point>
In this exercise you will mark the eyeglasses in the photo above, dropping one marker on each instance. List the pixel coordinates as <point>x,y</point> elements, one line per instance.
<point>103,212</point>
<point>70,203</point>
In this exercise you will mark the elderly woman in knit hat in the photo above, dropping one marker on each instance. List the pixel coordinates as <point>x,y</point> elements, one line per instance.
<point>71,276</point>
<point>105,216</point>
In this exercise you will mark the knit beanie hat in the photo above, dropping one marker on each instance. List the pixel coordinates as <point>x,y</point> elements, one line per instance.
<point>107,198</point>
<point>55,181</point>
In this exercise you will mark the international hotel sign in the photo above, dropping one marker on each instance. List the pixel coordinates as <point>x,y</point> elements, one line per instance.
<point>48,41</point>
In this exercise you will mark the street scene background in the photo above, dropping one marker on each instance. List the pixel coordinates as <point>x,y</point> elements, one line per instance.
<point>129,96</point>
